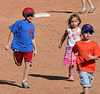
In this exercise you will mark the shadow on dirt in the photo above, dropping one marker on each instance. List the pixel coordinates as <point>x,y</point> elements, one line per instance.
<point>61,11</point>
<point>9,83</point>
<point>49,77</point>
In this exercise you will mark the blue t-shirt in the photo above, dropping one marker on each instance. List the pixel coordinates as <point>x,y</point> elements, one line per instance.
<point>23,34</point>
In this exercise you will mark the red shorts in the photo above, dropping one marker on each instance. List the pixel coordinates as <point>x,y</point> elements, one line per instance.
<point>18,57</point>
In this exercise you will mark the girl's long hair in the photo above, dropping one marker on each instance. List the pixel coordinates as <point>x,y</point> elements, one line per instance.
<point>72,16</point>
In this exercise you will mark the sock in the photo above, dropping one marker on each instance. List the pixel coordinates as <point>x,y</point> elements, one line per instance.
<point>24,81</point>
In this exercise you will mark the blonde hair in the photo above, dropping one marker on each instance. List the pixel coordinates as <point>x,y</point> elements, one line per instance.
<point>72,16</point>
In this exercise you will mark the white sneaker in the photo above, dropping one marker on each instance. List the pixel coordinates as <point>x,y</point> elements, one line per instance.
<point>25,84</point>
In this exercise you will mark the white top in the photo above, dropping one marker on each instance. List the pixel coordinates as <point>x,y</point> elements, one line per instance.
<point>73,37</point>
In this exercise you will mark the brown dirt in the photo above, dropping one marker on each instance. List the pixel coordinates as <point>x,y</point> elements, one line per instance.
<point>48,74</point>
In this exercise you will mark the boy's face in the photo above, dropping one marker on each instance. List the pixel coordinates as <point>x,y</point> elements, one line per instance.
<point>29,17</point>
<point>87,34</point>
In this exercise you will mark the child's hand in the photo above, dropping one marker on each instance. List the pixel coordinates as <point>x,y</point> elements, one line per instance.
<point>35,52</point>
<point>60,46</point>
<point>72,64</point>
<point>90,56</point>
<point>7,47</point>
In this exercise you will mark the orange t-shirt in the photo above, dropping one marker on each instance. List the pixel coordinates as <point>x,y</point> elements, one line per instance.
<point>83,48</point>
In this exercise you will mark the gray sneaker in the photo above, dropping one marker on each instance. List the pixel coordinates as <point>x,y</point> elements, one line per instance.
<point>25,85</point>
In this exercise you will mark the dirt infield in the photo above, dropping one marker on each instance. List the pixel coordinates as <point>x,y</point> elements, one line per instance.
<point>47,75</point>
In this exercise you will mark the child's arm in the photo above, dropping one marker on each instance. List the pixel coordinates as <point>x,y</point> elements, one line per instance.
<point>10,38</point>
<point>80,34</point>
<point>34,47</point>
<point>63,39</point>
<point>92,57</point>
<point>72,58</point>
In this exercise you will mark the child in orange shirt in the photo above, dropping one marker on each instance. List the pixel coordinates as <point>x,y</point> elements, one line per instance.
<point>88,51</point>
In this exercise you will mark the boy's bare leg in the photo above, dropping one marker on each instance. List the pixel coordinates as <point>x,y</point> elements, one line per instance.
<point>85,90</point>
<point>26,71</point>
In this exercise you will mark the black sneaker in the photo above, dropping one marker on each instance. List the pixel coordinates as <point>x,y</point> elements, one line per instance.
<point>81,93</point>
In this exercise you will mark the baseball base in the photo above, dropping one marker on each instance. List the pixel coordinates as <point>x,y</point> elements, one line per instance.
<point>42,15</point>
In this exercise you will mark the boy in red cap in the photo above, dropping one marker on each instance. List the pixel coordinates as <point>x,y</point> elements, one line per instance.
<point>23,43</point>
<point>88,51</point>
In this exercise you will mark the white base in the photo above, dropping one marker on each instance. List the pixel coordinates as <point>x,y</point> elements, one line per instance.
<point>42,15</point>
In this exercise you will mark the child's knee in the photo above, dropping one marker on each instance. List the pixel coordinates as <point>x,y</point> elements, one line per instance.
<point>28,64</point>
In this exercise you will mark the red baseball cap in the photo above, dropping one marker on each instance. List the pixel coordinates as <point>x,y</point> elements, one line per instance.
<point>28,11</point>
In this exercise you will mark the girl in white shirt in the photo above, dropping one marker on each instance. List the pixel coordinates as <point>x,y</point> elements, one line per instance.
<point>73,34</point>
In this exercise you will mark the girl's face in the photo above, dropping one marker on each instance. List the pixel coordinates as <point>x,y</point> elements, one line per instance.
<point>74,22</point>
<point>29,18</point>
<point>87,35</point>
